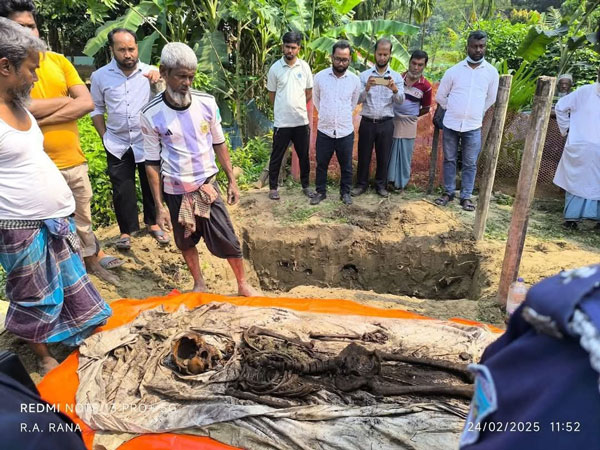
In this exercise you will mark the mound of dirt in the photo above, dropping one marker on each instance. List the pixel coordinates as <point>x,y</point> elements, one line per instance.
<point>401,252</point>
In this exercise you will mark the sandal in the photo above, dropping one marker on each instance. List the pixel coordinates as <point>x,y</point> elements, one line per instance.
<point>274,195</point>
<point>573,225</point>
<point>444,200</point>
<point>160,236</point>
<point>467,204</point>
<point>123,243</point>
<point>111,262</point>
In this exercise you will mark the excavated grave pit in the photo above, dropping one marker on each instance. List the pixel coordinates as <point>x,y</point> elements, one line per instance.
<point>438,266</point>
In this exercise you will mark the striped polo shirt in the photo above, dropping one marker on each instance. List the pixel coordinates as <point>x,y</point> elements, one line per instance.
<point>181,140</point>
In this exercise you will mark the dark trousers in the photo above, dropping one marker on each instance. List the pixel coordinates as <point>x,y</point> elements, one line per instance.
<point>122,176</point>
<point>381,134</point>
<point>281,139</point>
<point>342,147</point>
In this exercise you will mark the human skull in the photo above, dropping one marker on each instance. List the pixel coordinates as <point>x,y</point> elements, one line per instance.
<point>193,355</point>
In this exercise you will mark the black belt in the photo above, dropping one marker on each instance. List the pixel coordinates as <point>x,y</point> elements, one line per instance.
<point>383,119</point>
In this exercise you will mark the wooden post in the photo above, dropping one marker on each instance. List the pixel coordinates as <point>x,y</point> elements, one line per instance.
<point>434,159</point>
<point>530,165</point>
<point>492,149</point>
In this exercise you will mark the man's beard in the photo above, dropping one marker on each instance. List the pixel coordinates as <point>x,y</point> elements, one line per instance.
<point>20,97</point>
<point>415,76</point>
<point>127,65</point>
<point>381,66</point>
<point>341,71</point>
<point>289,57</point>
<point>180,100</point>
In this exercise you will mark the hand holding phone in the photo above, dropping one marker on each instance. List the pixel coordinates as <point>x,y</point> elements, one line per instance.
<point>382,81</point>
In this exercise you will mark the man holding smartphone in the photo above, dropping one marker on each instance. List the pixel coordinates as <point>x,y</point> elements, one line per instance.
<point>382,88</point>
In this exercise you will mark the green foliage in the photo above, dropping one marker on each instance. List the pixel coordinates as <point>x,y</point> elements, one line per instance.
<point>504,38</point>
<point>523,85</point>
<point>102,208</point>
<point>363,34</point>
<point>537,40</point>
<point>525,16</point>
<point>131,20</point>
<point>251,159</point>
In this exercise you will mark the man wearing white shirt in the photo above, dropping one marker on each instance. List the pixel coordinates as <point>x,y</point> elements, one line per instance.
<point>578,172</point>
<point>466,92</point>
<point>290,83</point>
<point>121,88</point>
<point>335,95</point>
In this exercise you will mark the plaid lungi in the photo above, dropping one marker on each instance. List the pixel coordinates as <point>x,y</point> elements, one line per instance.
<point>51,296</point>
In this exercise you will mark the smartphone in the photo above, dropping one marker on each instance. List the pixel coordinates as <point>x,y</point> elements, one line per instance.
<point>382,81</point>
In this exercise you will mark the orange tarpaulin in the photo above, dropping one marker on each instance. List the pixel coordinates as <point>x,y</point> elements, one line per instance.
<point>60,385</point>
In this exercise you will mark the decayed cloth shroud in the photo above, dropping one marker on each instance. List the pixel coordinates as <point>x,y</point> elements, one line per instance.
<point>125,385</point>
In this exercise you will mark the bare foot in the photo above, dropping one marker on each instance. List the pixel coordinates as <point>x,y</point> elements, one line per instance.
<point>47,363</point>
<point>245,290</point>
<point>199,287</point>
<point>94,267</point>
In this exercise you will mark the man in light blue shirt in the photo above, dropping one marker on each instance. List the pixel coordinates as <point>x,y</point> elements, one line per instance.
<point>382,89</point>
<point>121,88</point>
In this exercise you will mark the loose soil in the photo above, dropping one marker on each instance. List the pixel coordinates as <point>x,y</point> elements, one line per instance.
<point>402,252</point>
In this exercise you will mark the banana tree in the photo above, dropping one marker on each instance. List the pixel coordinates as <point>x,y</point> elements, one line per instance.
<point>363,34</point>
<point>568,31</point>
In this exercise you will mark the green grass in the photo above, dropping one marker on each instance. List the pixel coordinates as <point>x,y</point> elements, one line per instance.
<point>545,223</point>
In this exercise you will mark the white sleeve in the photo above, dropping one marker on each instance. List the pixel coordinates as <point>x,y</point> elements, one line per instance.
<point>97,97</point>
<point>216,131</point>
<point>271,80</point>
<point>356,93</point>
<point>152,143</point>
<point>309,77</point>
<point>316,93</point>
<point>492,92</point>
<point>563,110</point>
<point>441,97</point>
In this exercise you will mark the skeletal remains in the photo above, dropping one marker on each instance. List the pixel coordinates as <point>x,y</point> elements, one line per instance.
<point>268,375</point>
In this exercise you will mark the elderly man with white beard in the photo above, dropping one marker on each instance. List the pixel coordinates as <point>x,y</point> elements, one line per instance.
<point>182,135</point>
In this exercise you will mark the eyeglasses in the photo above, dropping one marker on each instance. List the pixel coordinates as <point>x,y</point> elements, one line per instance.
<point>341,60</point>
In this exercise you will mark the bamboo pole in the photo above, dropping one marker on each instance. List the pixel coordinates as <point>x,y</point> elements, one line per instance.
<point>492,149</point>
<point>530,165</point>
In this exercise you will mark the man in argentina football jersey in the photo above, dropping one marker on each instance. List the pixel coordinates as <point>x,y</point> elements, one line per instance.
<point>182,140</point>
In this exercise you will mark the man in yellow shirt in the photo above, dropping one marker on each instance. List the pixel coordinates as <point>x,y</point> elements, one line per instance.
<point>60,98</point>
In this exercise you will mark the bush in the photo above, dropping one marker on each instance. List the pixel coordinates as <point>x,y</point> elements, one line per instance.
<point>504,39</point>
<point>583,65</point>
<point>102,207</point>
<point>251,158</point>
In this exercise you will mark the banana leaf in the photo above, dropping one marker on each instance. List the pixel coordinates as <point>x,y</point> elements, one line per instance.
<point>535,43</point>
<point>145,47</point>
<point>131,20</point>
